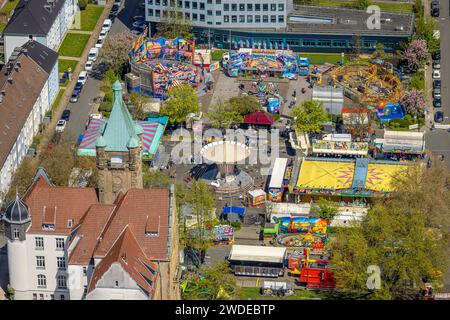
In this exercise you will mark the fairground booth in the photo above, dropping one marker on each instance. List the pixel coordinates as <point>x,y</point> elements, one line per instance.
<point>160,64</point>
<point>255,198</point>
<point>400,145</point>
<point>346,180</point>
<point>259,119</point>
<point>340,145</point>
<point>279,180</point>
<point>265,63</point>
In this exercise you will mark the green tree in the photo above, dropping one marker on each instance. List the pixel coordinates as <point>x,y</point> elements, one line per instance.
<point>154,179</point>
<point>138,102</point>
<point>362,4</point>
<point>201,200</point>
<point>115,51</point>
<point>405,235</point>
<point>425,27</point>
<point>212,283</point>
<point>21,179</point>
<point>58,161</point>
<point>309,116</point>
<point>174,25</point>
<point>244,104</point>
<point>182,101</point>
<point>325,209</point>
<point>222,115</point>
<point>82,4</point>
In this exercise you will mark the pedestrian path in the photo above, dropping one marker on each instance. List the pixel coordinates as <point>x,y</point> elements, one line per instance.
<point>80,31</point>
<point>70,58</point>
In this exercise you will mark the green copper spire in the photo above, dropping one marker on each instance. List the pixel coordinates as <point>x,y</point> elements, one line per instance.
<point>120,127</point>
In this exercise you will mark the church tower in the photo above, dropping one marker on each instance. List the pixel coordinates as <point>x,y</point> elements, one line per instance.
<point>118,151</point>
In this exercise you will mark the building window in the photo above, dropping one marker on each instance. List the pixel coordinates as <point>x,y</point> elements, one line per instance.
<point>242,19</point>
<point>249,19</point>
<point>34,296</point>
<point>218,23</point>
<point>84,271</point>
<point>323,43</point>
<point>209,1</point>
<point>61,262</point>
<point>16,234</point>
<point>202,17</point>
<point>187,4</point>
<point>242,7</point>
<point>202,6</point>
<point>39,243</point>
<point>63,297</point>
<point>265,7</point>
<point>60,243</point>
<point>233,19</point>
<point>194,5</point>
<point>249,6</point>
<point>226,7</point>
<point>41,296</point>
<point>42,281</point>
<point>273,7</point>
<point>52,297</point>
<point>266,19</point>
<point>257,7</point>
<point>233,7</point>
<point>309,43</point>
<point>62,281</point>
<point>273,19</point>
<point>209,12</point>
<point>257,19</point>
<point>150,12</point>
<point>158,2</point>
<point>281,19</point>
<point>85,290</point>
<point>157,13</point>
<point>218,13</point>
<point>116,283</point>
<point>164,3</point>
<point>218,1</point>
<point>226,19</point>
<point>40,262</point>
<point>180,4</point>
<point>281,7</point>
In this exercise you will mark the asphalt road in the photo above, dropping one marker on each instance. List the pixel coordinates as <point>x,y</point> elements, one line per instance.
<point>438,140</point>
<point>79,111</point>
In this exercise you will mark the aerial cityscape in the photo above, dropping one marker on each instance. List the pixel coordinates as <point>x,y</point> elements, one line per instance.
<point>223,150</point>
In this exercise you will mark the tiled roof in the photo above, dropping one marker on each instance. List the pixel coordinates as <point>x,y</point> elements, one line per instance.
<point>20,90</point>
<point>140,209</point>
<point>33,17</point>
<point>127,252</point>
<point>90,227</point>
<point>49,204</point>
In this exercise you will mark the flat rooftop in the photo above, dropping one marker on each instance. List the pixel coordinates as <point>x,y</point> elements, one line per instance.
<point>321,20</point>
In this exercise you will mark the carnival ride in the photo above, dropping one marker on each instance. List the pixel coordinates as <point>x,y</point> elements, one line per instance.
<point>371,83</point>
<point>163,64</point>
<point>387,112</point>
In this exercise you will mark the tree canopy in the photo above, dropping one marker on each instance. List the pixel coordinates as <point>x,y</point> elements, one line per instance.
<point>309,116</point>
<point>153,179</point>
<point>115,51</point>
<point>405,235</point>
<point>425,27</point>
<point>325,209</point>
<point>182,101</point>
<point>232,110</point>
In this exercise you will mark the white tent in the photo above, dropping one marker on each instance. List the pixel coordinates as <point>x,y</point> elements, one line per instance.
<point>257,254</point>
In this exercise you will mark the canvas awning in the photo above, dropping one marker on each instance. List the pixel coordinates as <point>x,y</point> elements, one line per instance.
<point>259,117</point>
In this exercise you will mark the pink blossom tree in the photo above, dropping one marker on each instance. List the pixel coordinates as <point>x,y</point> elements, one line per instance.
<point>414,102</point>
<point>415,54</point>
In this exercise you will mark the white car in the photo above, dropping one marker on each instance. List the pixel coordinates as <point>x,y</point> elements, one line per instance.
<point>103,34</point>
<point>118,2</point>
<point>99,43</point>
<point>61,125</point>
<point>89,65</point>
<point>93,54</point>
<point>107,25</point>
<point>82,77</point>
<point>436,74</point>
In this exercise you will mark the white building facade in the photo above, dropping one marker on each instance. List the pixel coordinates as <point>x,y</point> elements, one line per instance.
<point>223,13</point>
<point>45,21</point>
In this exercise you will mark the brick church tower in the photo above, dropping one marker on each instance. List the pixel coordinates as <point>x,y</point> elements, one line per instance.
<point>119,149</point>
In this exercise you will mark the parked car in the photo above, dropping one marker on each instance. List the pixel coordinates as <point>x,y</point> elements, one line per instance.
<point>78,86</point>
<point>82,77</point>
<point>93,54</point>
<point>437,102</point>
<point>103,34</point>
<point>436,74</point>
<point>107,25</point>
<point>436,55</point>
<point>138,24</point>
<point>437,93</point>
<point>61,125</point>
<point>115,9</point>
<point>112,17</point>
<point>439,116</point>
<point>139,18</point>
<point>65,115</point>
<point>89,65</point>
<point>437,64</point>
<point>74,96</point>
<point>437,84</point>
<point>99,43</point>
<point>435,12</point>
<point>118,2</point>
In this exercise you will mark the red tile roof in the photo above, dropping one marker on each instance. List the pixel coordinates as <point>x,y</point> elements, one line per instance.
<point>140,209</point>
<point>128,253</point>
<point>56,205</point>
<point>88,231</point>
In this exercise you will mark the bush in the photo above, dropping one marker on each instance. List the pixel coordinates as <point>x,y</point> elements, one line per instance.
<point>105,106</point>
<point>82,4</point>
<point>236,225</point>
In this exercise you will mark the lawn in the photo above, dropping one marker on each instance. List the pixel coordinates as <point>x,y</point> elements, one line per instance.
<point>90,16</point>
<point>73,45</point>
<point>9,6</point>
<point>65,64</point>
<point>321,58</point>
<point>56,102</point>
<point>216,54</point>
<point>386,7</point>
